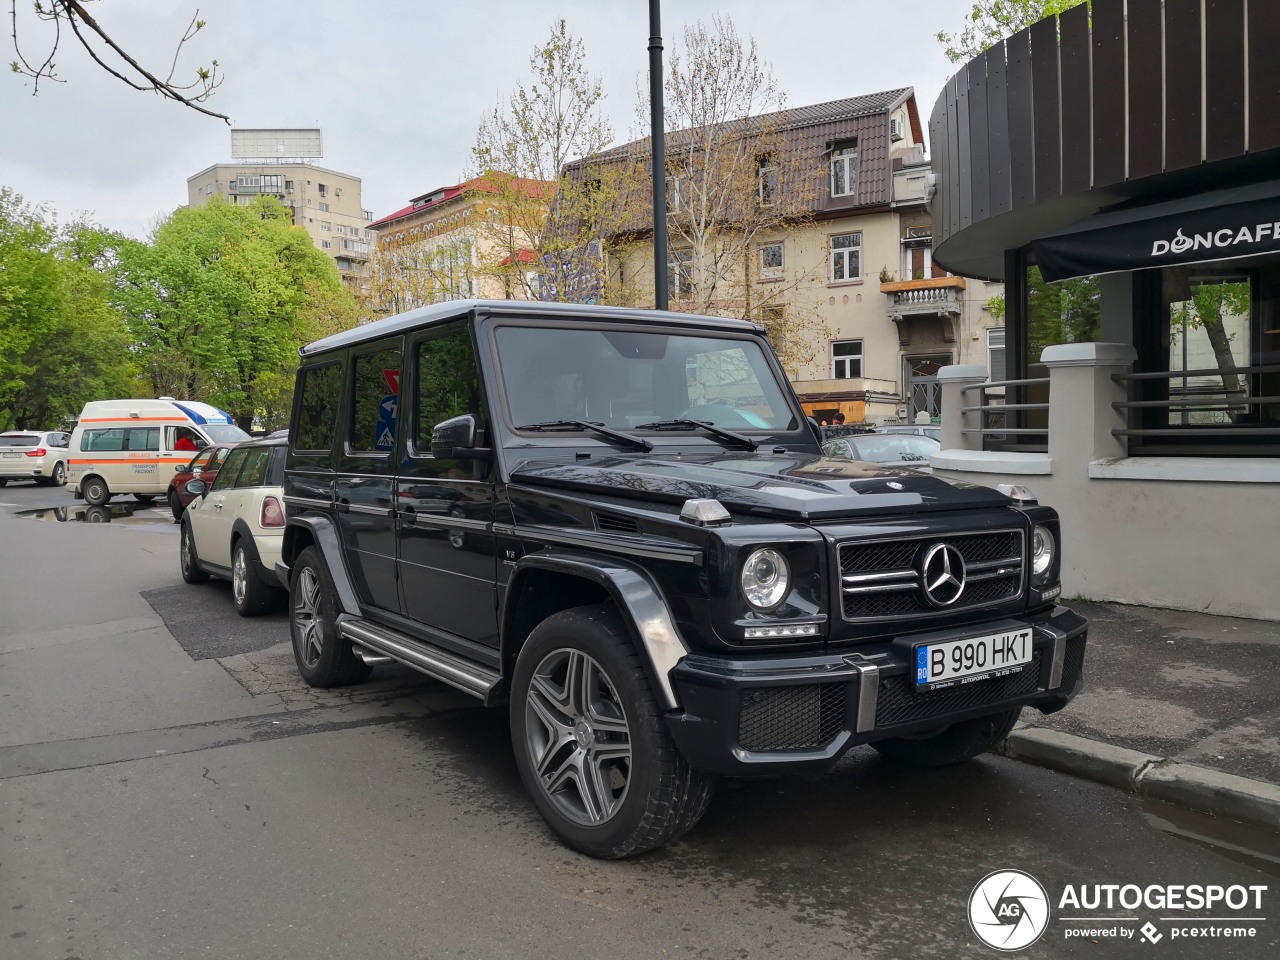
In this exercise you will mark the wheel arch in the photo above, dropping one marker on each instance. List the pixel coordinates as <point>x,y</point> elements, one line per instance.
<point>317,531</point>
<point>544,584</point>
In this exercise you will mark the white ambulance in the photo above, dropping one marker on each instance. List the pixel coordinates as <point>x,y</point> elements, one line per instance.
<point>134,446</point>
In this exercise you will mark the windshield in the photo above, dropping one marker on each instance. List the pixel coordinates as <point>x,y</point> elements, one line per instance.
<point>890,448</point>
<point>625,379</point>
<point>224,432</point>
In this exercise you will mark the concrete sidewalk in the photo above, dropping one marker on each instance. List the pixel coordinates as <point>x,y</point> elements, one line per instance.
<point>1180,706</point>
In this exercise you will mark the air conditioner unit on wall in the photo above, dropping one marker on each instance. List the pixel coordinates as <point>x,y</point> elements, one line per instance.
<point>895,128</point>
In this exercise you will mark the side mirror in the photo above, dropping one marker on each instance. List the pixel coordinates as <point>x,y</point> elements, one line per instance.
<point>456,439</point>
<point>197,488</point>
<point>179,467</point>
<point>201,444</point>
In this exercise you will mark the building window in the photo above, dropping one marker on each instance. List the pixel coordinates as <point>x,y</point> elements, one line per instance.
<point>995,353</point>
<point>773,316</point>
<point>846,257</point>
<point>767,177</point>
<point>342,228</point>
<point>288,186</point>
<point>322,189</point>
<point>846,359</point>
<point>771,261</point>
<point>324,207</point>
<point>680,274</point>
<point>843,175</point>
<point>326,244</point>
<point>326,225</point>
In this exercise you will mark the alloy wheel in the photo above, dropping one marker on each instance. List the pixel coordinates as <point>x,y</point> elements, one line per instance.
<point>577,737</point>
<point>188,561</point>
<point>239,576</point>
<point>308,633</point>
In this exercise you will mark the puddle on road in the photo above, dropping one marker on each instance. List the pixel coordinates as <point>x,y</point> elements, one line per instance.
<point>133,513</point>
<point>1241,842</point>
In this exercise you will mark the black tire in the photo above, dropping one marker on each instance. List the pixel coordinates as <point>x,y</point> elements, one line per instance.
<point>324,659</point>
<point>249,594</point>
<point>145,498</point>
<point>95,490</point>
<point>188,560</point>
<point>957,743</point>
<point>633,803</point>
<point>175,505</point>
<point>4,481</point>
<point>59,475</point>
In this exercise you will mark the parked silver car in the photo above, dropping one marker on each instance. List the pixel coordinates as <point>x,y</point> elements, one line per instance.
<point>900,450</point>
<point>37,455</point>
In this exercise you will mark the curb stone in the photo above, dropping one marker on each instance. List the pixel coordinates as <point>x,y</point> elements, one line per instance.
<point>1197,788</point>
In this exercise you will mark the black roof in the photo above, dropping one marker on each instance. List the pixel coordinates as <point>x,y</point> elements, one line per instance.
<point>454,309</point>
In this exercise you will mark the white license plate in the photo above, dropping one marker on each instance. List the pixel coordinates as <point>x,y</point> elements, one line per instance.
<point>975,658</point>
<point>12,456</point>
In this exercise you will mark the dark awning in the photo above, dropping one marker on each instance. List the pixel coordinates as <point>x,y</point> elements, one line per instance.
<point>1221,225</point>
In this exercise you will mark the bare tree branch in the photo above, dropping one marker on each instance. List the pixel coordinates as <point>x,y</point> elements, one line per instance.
<point>133,74</point>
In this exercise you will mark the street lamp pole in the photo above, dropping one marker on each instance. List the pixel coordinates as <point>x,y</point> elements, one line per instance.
<point>659,157</point>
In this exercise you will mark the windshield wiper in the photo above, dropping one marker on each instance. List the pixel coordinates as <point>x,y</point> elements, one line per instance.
<point>718,432</point>
<point>637,443</point>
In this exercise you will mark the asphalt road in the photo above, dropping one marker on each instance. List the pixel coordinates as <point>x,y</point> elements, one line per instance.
<point>173,797</point>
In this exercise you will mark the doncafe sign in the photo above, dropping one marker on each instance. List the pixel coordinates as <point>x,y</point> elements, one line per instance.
<point>1224,238</point>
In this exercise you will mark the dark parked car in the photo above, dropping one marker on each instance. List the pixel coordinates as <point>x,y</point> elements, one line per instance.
<point>618,525</point>
<point>204,466</point>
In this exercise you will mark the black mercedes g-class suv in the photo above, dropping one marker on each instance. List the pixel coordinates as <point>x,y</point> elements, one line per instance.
<point>619,523</point>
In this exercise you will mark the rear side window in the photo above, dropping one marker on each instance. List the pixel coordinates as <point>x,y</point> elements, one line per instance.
<point>219,456</point>
<point>318,407</point>
<point>254,471</point>
<point>227,475</point>
<point>375,398</point>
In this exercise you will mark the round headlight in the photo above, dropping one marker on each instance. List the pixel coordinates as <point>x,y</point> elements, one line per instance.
<point>765,578</point>
<point>1042,551</point>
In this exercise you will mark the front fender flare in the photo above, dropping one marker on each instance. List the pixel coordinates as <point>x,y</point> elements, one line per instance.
<point>322,533</point>
<point>639,600</point>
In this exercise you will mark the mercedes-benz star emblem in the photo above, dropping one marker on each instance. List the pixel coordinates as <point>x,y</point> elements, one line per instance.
<point>942,574</point>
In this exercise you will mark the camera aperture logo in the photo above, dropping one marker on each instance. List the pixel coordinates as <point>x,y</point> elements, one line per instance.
<point>1008,910</point>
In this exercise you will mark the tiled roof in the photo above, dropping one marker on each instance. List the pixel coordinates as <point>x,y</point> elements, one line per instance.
<point>533,188</point>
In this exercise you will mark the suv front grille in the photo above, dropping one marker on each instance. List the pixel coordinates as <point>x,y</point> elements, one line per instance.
<point>883,580</point>
<point>799,717</point>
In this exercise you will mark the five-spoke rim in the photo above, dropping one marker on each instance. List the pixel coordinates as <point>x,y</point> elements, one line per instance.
<point>308,632</point>
<point>577,737</point>
<point>239,575</point>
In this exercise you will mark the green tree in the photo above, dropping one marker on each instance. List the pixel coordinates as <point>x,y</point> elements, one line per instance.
<point>990,21</point>
<point>521,151</point>
<point>220,299</point>
<point>61,342</point>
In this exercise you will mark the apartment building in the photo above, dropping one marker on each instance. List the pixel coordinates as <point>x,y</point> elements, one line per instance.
<point>845,262</point>
<point>324,202</point>
<point>453,243</point>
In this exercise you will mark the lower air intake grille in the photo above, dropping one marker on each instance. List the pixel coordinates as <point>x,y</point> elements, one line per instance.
<point>802,717</point>
<point>898,703</point>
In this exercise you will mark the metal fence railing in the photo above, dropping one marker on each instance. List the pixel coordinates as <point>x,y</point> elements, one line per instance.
<point>1010,425</point>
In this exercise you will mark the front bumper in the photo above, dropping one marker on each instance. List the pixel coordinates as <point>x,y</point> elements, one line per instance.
<point>745,717</point>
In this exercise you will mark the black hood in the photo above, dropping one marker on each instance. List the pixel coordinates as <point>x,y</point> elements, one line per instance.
<point>795,486</point>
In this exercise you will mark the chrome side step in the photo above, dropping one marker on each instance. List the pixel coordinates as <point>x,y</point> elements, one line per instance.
<point>446,667</point>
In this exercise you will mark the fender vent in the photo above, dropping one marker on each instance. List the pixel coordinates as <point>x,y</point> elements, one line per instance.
<point>616,523</point>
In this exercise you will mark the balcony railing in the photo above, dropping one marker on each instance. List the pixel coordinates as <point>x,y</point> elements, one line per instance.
<point>246,188</point>
<point>935,295</point>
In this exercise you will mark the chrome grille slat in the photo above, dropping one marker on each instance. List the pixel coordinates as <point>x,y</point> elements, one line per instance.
<point>879,580</point>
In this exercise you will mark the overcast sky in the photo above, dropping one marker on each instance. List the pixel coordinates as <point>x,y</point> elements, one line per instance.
<point>398,87</point>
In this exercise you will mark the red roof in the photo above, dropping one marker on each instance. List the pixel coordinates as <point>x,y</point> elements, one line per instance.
<point>482,184</point>
<point>524,256</point>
